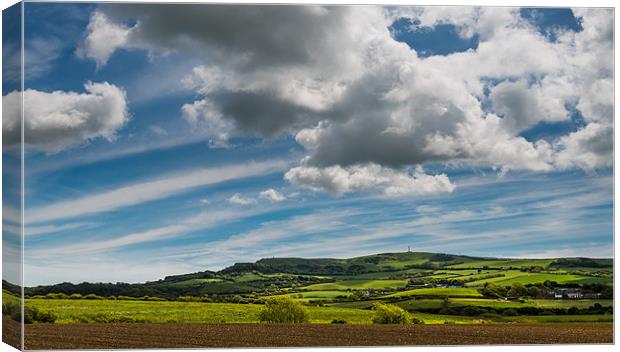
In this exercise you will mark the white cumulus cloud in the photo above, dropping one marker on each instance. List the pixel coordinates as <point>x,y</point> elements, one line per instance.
<point>272,195</point>
<point>238,199</point>
<point>57,120</point>
<point>102,39</point>
<point>339,180</point>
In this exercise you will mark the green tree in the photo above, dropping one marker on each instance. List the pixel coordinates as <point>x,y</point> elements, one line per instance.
<point>283,309</point>
<point>390,314</point>
<point>533,291</point>
<point>517,290</point>
<point>492,290</point>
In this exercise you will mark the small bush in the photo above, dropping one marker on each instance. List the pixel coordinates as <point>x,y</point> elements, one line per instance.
<point>339,321</point>
<point>417,321</point>
<point>92,296</point>
<point>126,298</point>
<point>12,309</point>
<point>390,314</point>
<point>149,298</point>
<point>75,296</point>
<point>41,316</point>
<point>283,310</point>
<point>31,314</point>
<point>56,296</point>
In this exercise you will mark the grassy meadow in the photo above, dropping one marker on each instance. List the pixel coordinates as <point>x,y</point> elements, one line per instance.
<point>86,311</point>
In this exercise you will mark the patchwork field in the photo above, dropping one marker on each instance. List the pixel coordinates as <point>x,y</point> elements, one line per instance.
<point>503,263</point>
<point>431,289</point>
<point>449,292</point>
<point>532,278</point>
<point>358,285</point>
<point>413,304</point>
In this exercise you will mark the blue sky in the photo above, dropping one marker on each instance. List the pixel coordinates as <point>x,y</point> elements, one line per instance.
<point>163,148</point>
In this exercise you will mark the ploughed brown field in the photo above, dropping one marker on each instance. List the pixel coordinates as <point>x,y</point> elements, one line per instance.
<point>88,336</point>
<point>11,332</point>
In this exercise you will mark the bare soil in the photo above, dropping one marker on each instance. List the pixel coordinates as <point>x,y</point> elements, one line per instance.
<point>98,336</point>
<point>11,332</point>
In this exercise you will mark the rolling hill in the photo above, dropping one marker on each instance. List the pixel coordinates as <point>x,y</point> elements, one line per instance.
<point>389,271</point>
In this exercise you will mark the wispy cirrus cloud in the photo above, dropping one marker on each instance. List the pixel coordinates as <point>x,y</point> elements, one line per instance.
<point>45,229</point>
<point>200,221</point>
<point>146,191</point>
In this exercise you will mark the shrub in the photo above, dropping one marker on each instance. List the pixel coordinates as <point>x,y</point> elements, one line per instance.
<point>283,309</point>
<point>31,314</point>
<point>390,314</point>
<point>92,296</point>
<point>417,321</point>
<point>12,309</point>
<point>339,321</point>
<point>150,298</point>
<point>126,298</point>
<point>41,316</point>
<point>473,311</point>
<point>510,313</point>
<point>75,296</point>
<point>56,296</point>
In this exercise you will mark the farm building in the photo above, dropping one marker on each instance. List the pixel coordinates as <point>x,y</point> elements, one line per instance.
<point>569,293</point>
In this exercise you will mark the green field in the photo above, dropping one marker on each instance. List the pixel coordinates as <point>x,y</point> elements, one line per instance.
<point>449,292</point>
<point>357,285</point>
<point>500,263</point>
<point>425,303</point>
<point>318,295</point>
<point>535,278</point>
<point>382,275</point>
<point>512,276</point>
<point>413,304</point>
<point>76,311</point>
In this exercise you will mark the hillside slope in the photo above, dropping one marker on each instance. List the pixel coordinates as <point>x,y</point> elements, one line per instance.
<point>273,274</point>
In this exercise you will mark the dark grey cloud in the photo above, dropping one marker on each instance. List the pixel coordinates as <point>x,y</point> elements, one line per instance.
<point>361,102</point>
<point>261,112</point>
<point>259,35</point>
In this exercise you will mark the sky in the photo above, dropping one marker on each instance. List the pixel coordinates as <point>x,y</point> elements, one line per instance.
<point>167,139</point>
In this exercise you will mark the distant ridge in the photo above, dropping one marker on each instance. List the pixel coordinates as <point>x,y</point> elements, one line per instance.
<point>381,262</point>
